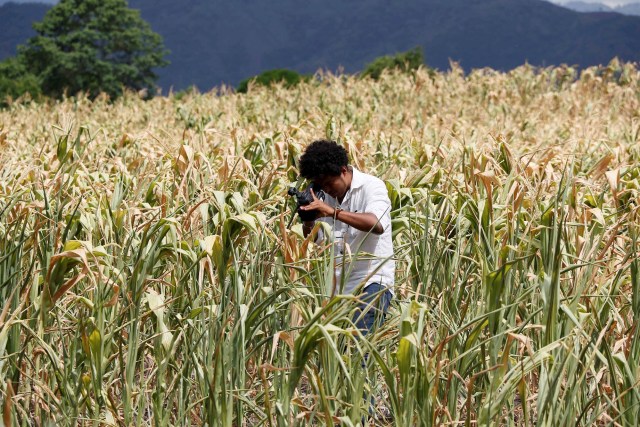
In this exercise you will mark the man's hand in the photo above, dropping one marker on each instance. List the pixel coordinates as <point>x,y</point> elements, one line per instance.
<point>318,205</point>
<point>362,221</point>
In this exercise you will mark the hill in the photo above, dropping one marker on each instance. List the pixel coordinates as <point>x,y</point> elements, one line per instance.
<point>216,41</point>
<point>15,21</point>
<point>2,2</point>
<point>247,37</point>
<point>629,9</point>
<point>581,6</point>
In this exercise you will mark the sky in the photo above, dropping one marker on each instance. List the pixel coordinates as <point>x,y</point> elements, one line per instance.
<point>610,3</point>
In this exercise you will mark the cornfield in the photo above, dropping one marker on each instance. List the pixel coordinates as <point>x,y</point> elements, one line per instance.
<point>148,276</point>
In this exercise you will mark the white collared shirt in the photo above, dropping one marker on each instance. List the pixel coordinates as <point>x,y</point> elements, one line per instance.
<point>363,257</point>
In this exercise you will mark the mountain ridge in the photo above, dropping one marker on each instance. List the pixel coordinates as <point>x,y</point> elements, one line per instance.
<point>587,7</point>
<point>15,21</point>
<point>582,6</point>
<point>216,41</point>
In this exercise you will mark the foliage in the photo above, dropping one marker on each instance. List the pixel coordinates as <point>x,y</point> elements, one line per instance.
<point>94,46</point>
<point>288,77</point>
<point>16,81</point>
<point>189,91</point>
<point>404,61</point>
<point>148,276</point>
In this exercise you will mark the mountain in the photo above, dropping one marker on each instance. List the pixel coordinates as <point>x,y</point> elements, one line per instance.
<point>581,6</point>
<point>28,1</point>
<point>629,9</point>
<point>2,2</point>
<point>586,6</point>
<point>216,41</point>
<point>15,21</point>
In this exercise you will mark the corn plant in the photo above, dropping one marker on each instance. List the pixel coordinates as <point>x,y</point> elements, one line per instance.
<point>148,275</point>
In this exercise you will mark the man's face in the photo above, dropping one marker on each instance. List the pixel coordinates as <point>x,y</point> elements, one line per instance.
<point>335,186</point>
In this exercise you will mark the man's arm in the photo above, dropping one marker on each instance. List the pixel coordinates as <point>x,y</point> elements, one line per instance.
<point>362,221</point>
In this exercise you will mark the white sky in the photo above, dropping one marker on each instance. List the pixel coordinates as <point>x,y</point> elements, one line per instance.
<point>611,3</point>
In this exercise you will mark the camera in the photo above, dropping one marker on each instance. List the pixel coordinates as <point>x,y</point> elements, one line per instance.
<point>303,198</point>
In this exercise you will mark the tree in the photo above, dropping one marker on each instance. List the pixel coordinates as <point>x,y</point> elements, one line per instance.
<point>288,77</point>
<point>94,46</point>
<point>16,81</point>
<point>405,61</point>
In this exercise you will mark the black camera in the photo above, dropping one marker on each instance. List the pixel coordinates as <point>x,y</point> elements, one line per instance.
<point>304,198</point>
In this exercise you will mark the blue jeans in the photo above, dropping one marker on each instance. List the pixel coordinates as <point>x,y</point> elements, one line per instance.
<point>372,307</point>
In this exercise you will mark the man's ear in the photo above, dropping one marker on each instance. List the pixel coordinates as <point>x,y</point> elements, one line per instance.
<point>344,169</point>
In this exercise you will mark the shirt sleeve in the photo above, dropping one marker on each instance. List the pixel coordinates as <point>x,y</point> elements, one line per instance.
<point>378,203</point>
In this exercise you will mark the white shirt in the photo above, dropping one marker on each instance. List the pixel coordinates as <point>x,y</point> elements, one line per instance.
<point>362,257</point>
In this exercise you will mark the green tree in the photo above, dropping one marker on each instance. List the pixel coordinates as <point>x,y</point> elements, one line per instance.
<point>404,61</point>
<point>289,77</point>
<point>16,80</point>
<point>94,46</point>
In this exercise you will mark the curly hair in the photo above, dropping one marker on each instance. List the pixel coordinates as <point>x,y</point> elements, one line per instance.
<point>323,158</point>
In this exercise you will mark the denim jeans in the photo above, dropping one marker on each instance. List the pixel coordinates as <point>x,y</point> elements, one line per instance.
<point>372,308</point>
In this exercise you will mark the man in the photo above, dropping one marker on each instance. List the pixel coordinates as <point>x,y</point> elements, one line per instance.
<point>357,207</point>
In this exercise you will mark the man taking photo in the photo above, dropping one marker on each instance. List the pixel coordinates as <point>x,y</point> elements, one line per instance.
<point>357,207</point>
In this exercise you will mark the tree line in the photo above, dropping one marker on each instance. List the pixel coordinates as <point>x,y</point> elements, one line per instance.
<point>104,47</point>
<point>89,46</point>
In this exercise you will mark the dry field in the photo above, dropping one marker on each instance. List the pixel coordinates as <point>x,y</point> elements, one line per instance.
<point>147,276</point>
